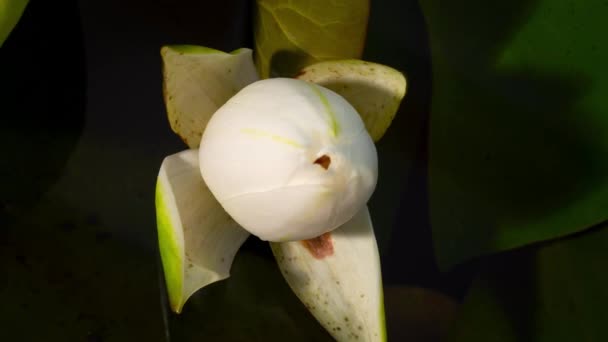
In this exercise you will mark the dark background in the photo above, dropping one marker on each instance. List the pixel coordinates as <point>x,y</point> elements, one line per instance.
<point>84,131</point>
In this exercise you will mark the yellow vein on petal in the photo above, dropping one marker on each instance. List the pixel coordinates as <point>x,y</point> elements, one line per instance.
<point>277,138</point>
<point>335,128</point>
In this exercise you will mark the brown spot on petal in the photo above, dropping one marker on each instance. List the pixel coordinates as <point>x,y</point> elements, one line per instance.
<point>320,247</point>
<point>324,161</point>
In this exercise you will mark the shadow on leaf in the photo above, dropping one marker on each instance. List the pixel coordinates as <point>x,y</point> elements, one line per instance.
<point>512,156</point>
<point>42,93</point>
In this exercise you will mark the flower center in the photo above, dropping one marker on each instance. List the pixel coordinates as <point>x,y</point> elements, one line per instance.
<point>324,161</point>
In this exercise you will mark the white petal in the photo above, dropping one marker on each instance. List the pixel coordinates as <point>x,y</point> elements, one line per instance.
<point>258,155</point>
<point>338,278</point>
<point>197,238</point>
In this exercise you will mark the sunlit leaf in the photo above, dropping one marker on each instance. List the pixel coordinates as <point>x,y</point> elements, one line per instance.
<point>292,34</point>
<point>518,148</point>
<point>556,292</point>
<point>10,13</point>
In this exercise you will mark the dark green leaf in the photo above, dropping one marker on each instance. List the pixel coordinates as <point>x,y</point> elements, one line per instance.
<point>556,292</point>
<point>290,35</point>
<point>518,152</point>
<point>418,314</point>
<point>254,304</point>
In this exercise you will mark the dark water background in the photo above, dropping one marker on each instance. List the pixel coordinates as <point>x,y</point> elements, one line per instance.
<point>83,132</point>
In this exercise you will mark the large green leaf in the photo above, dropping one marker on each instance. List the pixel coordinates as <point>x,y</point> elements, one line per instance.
<point>518,148</point>
<point>291,34</point>
<point>553,293</point>
<point>10,13</point>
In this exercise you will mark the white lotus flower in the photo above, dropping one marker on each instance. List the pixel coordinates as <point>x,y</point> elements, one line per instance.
<point>288,159</point>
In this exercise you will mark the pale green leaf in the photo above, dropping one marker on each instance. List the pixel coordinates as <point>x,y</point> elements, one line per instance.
<point>374,90</point>
<point>10,13</point>
<point>291,34</point>
<point>197,81</point>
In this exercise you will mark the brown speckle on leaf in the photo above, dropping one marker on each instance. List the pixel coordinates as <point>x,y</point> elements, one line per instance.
<point>184,139</point>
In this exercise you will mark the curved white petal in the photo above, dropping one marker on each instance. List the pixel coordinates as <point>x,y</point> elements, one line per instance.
<point>197,238</point>
<point>338,277</point>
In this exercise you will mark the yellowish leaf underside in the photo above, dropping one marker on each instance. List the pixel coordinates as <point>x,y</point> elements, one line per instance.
<point>290,35</point>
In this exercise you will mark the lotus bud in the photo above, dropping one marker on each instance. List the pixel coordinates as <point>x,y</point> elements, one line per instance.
<point>288,160</point>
